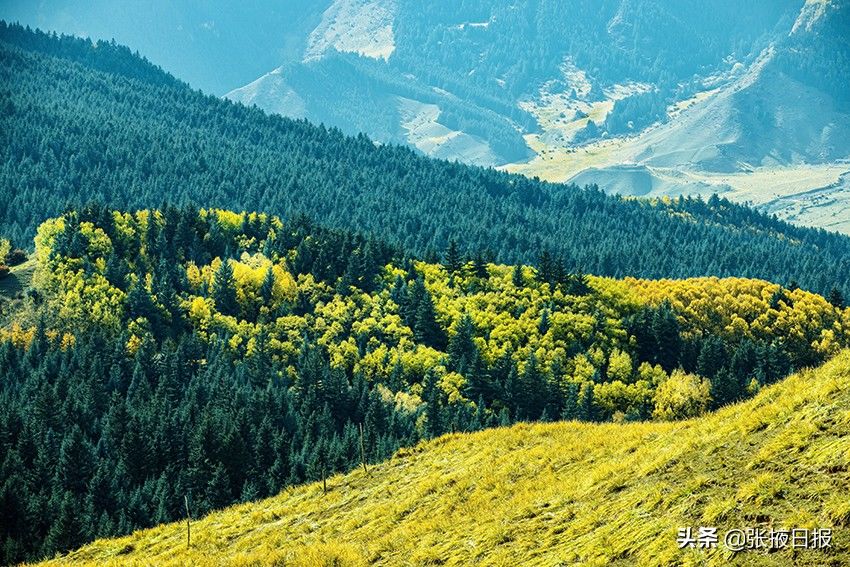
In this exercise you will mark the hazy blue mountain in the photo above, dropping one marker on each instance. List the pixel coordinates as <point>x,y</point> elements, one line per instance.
<point>468,80</point>
<point>214,45</point>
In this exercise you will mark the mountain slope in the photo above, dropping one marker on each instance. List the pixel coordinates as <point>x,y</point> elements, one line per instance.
<point>774,134</point>
<point>686,91</point>
<point>485,65</point>
<point>563,493</point>
<point>82,122</point>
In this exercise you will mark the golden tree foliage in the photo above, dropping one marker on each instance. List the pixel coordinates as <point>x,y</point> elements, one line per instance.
<point>576,339</point>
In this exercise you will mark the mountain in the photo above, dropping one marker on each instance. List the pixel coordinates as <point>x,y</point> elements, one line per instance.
<point>92,122</point>
<point>158,363</point>
<point>214,45</point>
<point>548,493</point>
<point>697,98</point>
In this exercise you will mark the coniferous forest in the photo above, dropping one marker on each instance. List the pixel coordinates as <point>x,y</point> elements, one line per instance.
<point>83,122</point>
<point>169,349</point>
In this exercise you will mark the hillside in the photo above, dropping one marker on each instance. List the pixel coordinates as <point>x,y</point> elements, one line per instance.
<point>85,122</point>
<point>231,355</point>
<point>553,494</point>
<point>704,97</point>
<point>759,93</point>
<point>773,133</point>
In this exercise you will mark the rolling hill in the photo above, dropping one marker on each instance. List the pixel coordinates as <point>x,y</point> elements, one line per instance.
<point>88,122</point>
<point>554,494</point>
<point>228,356</point>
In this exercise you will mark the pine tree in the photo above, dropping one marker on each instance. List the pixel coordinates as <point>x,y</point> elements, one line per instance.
<point>453,258</point>
<point>665,328</point>
<point>462,349</point>
<point>725,387</point>
<point>75,462</point>
<point>571,407</point>
<point>712,357</point>
<point>479,266</point>
<point>545,268</point>
<point>218,493</point>
<point>267,288</point>
<point>433,409</point>
<point>426,330</point>
<point>586,405</point>
<point>836,298</point>
<point>517,277</point>
<point>66,531</point>
<point>224,290</point>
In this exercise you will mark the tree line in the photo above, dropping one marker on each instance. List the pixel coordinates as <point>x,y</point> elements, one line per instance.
<point>84,123</point>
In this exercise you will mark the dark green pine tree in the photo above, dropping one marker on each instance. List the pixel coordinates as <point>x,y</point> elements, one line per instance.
<point>571,407</point>
<point>517,276</point>
<point>533,391</point>
<point>453,261</point>
<point>462,349</point>
<point>433,409</point>
<point>224,290</point>
<point>586,404</point>
<point>543,324</point>
<point>479,266</point>
<point>545,268</point>
<point>668,341</point>
<point>725,388</point>
<point>426,329</point>
<point>836,298</point>
<point>116,271</point>
<point>267,289</point>
<point>74,468</point>
<point>66,530</point>
<point>140,303</point>
<point>712,357</point>
<point>218,493</point>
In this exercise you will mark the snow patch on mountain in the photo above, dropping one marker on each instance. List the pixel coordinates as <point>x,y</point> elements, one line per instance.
<point>364,27</point>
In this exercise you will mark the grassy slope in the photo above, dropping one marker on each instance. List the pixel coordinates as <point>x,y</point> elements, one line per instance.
<point>549,494</point>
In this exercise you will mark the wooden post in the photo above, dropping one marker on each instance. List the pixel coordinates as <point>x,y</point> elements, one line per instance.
<point>324,481</point>
<point>188,520</point>
<point>363,451</point>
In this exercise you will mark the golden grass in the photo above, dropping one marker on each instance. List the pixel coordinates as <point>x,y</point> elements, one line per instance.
<point>553,494</point>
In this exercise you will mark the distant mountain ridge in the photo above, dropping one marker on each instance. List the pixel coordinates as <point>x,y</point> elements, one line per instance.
<point>692,88</point>
<point>92,122</point>
<point>746,100</point>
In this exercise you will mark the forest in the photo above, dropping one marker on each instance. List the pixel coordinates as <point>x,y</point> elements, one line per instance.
<point>224,356</point>
<point>83,122</point>
<point>182,350</point>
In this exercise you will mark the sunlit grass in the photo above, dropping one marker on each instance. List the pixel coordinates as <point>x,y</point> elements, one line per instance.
<point>553,494</point>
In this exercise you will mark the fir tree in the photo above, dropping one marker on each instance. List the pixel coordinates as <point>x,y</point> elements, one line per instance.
<point>224,290</point>
<point>453,259</point>
<point>836,298</point>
